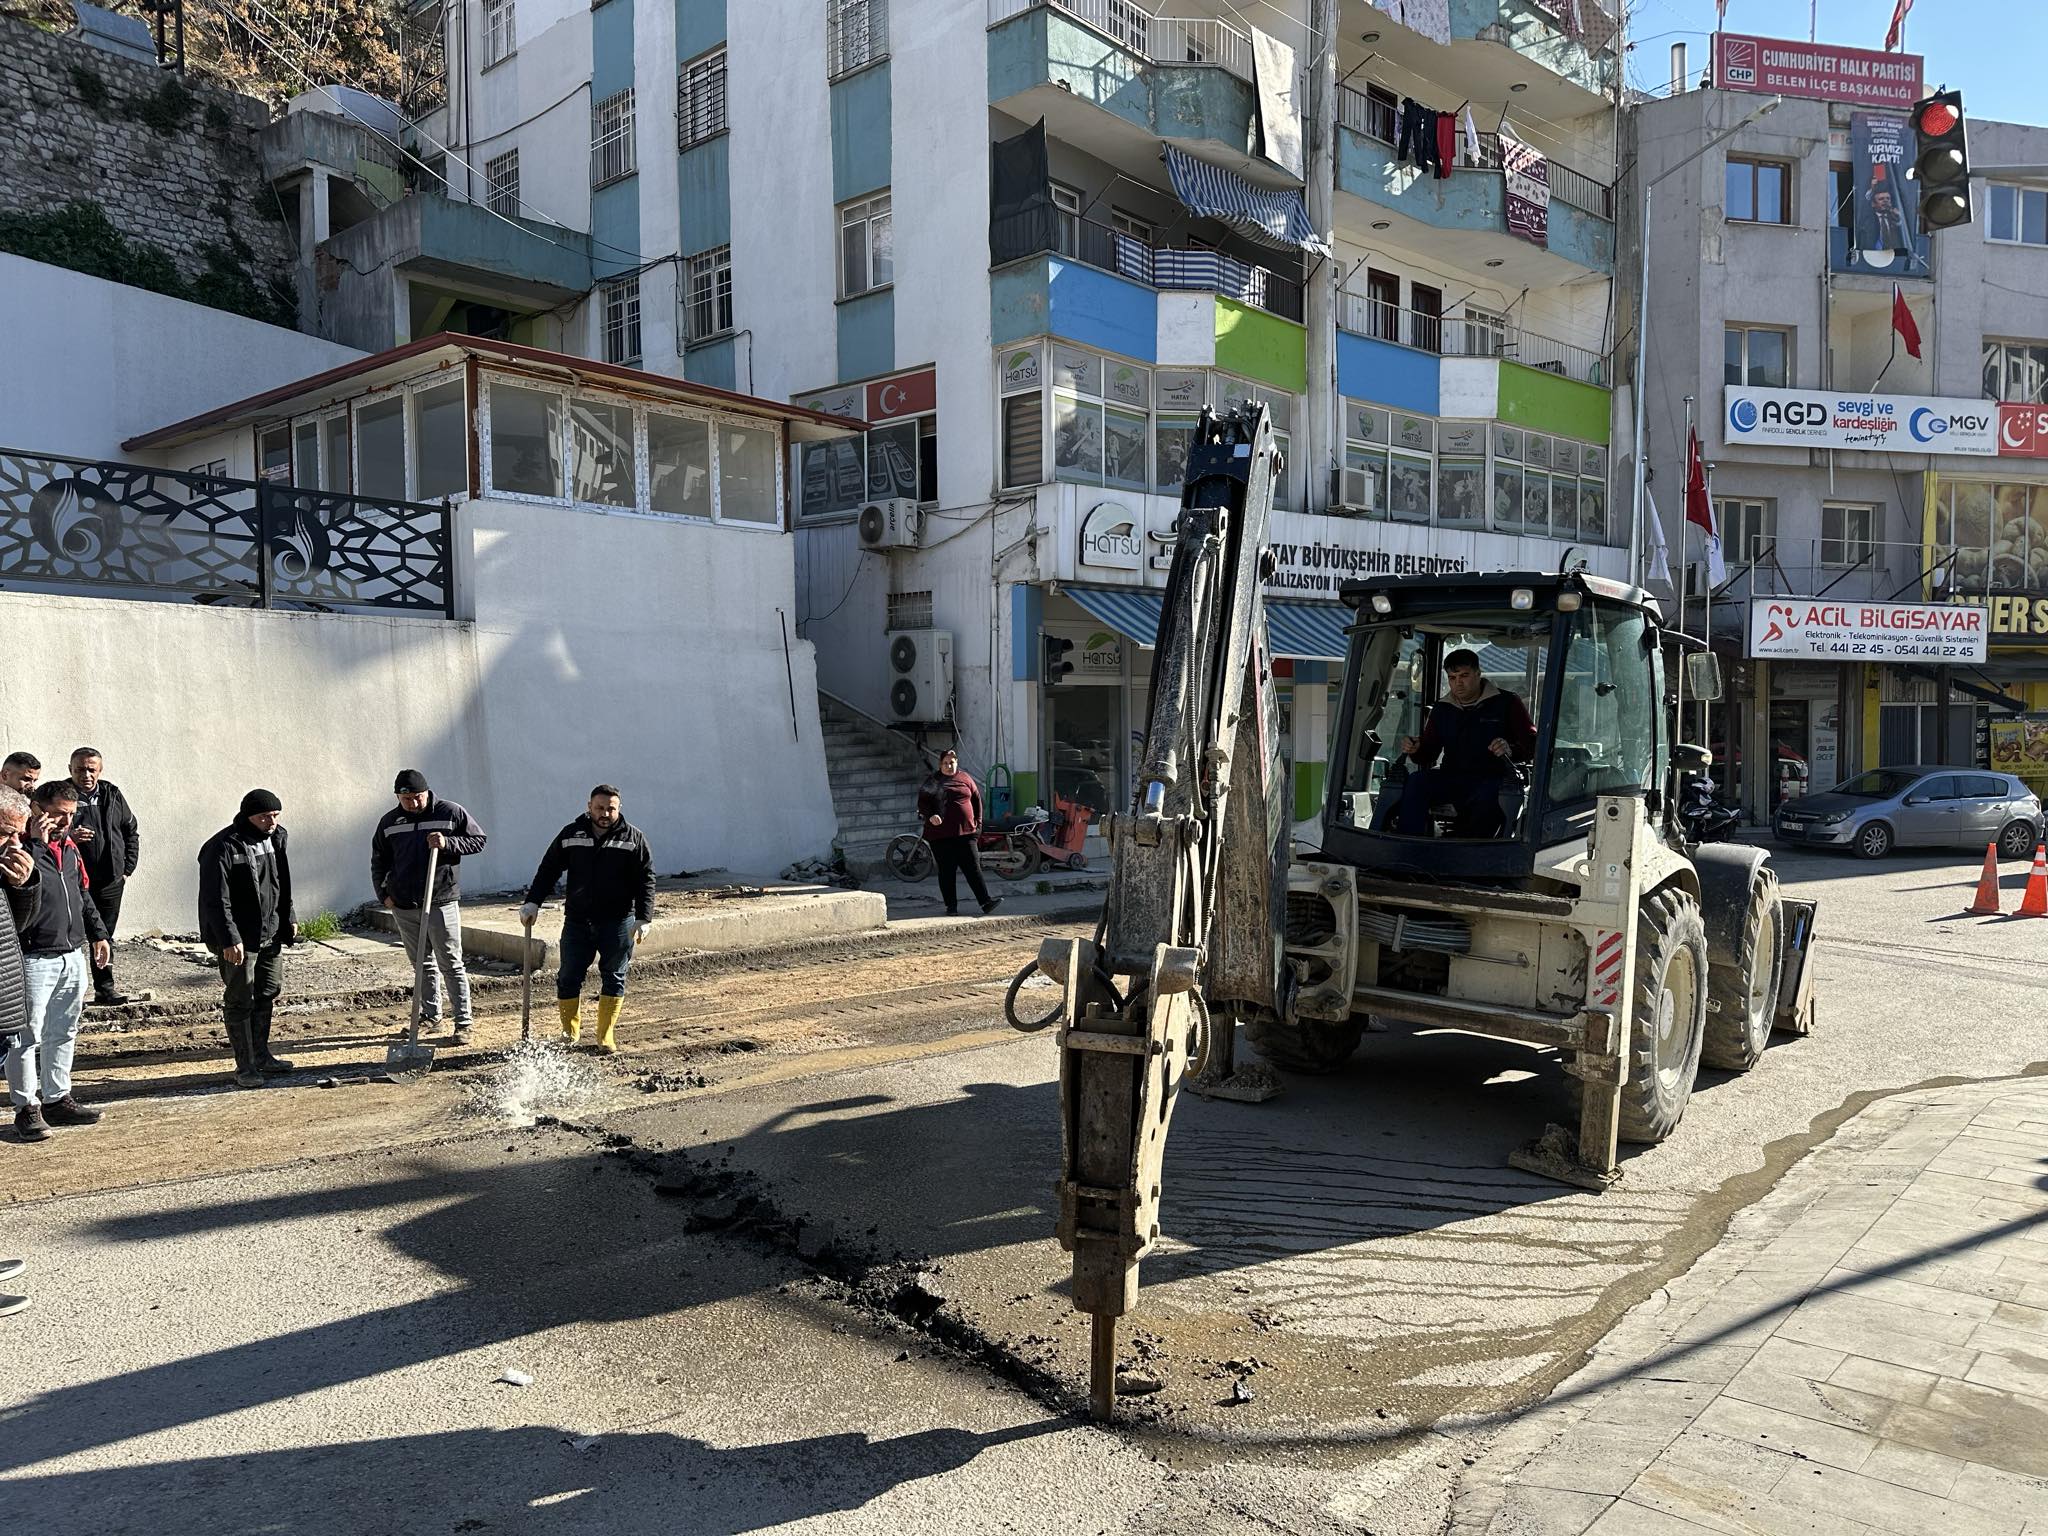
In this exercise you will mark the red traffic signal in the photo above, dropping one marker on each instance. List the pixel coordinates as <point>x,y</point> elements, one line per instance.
<point>1941,161</point>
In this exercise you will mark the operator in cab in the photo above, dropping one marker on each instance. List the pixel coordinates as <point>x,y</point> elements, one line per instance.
<point>1473,736</point>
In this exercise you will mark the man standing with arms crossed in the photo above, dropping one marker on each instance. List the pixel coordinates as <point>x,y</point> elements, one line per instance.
<point>53,947</point>
<point>398,873</point>
<point>610,904</point>
<point>22,885</point>
<point>245,915</point>
<point>106,834</point>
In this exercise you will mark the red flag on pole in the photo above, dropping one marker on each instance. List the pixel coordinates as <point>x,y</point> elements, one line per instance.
<point>1902,322</point>
<point>1699,511</point>
<point>1898,26</point>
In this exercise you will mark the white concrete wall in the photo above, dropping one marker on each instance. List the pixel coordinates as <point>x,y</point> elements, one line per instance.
<point>90,363</point>
<point>519,103</point>
<point>641,652</point>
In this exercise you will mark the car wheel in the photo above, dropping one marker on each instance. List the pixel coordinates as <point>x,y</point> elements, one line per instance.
<point>1873,841</point>
<point>2017,840</point>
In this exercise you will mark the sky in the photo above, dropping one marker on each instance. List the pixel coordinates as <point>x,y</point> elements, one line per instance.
<point>1994,51</point>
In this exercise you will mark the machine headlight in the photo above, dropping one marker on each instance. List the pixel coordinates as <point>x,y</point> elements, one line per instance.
<point>1522,599</point>
<point>1381,603</point>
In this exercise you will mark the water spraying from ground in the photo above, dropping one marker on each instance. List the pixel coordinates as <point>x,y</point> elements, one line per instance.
<point>536,1078</point>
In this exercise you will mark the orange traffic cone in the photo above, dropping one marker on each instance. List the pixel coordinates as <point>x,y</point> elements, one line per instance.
<point>2035,902</point>
<point>1986,904</point>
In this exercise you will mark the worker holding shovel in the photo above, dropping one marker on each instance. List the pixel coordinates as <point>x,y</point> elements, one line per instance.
<point>427,921</point>
<point>610,904</point>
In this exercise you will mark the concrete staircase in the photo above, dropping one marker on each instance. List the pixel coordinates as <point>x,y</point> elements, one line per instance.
<point>874,773</point>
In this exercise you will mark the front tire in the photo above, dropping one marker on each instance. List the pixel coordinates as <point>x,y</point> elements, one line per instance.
<point>1745,986</point>
<point>910,857</point>
<point>1873,841</point>
<point>1668,1023</point>
<point>2016,841</point>
<point>1311,1047</point>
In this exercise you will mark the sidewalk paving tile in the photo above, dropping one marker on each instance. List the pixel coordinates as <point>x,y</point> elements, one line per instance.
<point>1910,1290</point>
<point>1977,1423</point>
<point>2001,1492</point>
<point>1527,1511</point>
<point>1888,1506</point>
<point>1911,1467</point>
<point>1828,1402</point>
<point>1626,1519</point>
<point>2017,1315</point>
<point>1597,1458</point>
<point>1880,1379</point>
<point>2013,1370</point>
<point>1876,1343</point>
<point>1721,1484</point>
<point>1775,1429</point>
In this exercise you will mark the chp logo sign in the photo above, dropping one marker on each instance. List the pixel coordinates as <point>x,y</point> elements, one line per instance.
<point>1803,629</point>
<point>1112,538</point>
<point>1811,418</point>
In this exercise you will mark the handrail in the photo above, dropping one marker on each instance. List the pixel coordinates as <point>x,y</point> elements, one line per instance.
<point>1172,40</point>
<point>1468,335</point>
<point>1155,265</point>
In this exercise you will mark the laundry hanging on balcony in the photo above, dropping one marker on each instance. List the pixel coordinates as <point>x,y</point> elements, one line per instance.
<point>1259,213</point>
<point>1279,81</point>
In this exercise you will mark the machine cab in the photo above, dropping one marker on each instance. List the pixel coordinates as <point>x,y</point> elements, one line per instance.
<point>1483,715</point>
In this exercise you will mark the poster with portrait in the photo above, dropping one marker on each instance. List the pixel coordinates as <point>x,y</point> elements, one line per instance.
<point>1884,232</point>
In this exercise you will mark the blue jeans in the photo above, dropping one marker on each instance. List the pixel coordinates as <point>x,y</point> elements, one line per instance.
<point>39,1058</point>
<point>608,941</point>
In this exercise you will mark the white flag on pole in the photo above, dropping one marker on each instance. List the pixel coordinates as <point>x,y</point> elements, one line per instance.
<point>1660,553</point>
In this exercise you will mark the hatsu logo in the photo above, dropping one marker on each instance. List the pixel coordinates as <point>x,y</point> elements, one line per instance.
<point>1111,538</point>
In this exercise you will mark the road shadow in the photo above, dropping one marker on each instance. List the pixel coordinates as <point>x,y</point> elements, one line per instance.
<point>534,1480</point>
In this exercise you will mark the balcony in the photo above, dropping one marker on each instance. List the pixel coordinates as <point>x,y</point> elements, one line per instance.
<point>1165,268</point>
<point>1851,263</point>
<point>1112,80</point>
<point>1463,217</point>
<point>1539,32</point>
<point>1464,336</point>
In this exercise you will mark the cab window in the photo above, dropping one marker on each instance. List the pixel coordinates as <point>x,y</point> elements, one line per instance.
<point>1605,740</point>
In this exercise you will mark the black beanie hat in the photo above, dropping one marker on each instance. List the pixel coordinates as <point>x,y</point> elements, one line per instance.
<point>258,801</point>
<point>410,782</point>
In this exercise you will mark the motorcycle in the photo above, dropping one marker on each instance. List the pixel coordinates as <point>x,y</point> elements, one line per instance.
<point>1009,847</point>
<point>1705,817</point>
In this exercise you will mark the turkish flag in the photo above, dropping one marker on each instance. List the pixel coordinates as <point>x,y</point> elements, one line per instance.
<point>1902,322</point>
<point>1897,30</point>
<point>1698,510</point>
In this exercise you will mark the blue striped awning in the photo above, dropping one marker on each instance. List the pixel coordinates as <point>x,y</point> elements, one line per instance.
<point>1274,217</point>
<point>1302,631</point>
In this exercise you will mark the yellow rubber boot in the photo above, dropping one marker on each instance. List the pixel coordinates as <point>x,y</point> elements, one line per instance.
<point>572,1017</point>
<point>607,1017</point>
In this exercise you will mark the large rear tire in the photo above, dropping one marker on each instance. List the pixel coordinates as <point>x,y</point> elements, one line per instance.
<point>1311,1047</point>
<point>1744,987</point>
<point>1667,1025</point>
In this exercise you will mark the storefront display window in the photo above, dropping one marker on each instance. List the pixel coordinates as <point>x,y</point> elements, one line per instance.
<point>897,458</point>
<point>1992,536</point>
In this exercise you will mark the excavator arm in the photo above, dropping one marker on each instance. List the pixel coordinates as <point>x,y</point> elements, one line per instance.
<point>1190,931</point>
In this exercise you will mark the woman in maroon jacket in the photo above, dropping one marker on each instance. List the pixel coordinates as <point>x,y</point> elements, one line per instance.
<point>951,805</point>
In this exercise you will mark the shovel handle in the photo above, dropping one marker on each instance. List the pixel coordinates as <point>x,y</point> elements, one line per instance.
<point>419,978</point>
<point>526,982</point>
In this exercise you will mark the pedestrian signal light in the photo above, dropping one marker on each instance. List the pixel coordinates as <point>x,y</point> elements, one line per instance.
<point>1055,666</point>
<point>1941,161</point>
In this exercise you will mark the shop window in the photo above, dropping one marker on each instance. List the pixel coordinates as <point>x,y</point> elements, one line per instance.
<point>526,441</point>
<point>748,490</point>
<point>1758,355</point>
<point>678,465</point>
<point>612,155</point>
<point>1748,527</point>
<point>867,247</point>
<point>380,448</point>
<point>601,459</point>
<point>1758,191</point>
<point>2016,371</point>
<point>1988,536</point>
<point>440,442</point>
<point>1023,447</point>
<point>1848,534</point>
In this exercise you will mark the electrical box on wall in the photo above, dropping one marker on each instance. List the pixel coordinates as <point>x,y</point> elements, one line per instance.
<point>920,675</point>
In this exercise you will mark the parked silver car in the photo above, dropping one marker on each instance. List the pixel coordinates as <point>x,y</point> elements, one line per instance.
<point>1890,808</point>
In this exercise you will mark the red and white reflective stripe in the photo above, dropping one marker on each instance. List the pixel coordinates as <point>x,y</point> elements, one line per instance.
<point>1607,969</point>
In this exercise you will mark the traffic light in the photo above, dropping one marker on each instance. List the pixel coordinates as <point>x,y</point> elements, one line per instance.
<point>1053,663</point>
<point>1941,162</point>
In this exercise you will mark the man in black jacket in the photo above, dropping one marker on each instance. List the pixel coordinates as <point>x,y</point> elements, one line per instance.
<point>53,949</point>
<point>245,915</point>
<point>21,882</point>
<point>610,904</point>
<point>106,834</point>
<point>398,873</point>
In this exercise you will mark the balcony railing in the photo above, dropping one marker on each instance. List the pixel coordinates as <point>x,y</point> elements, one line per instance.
<point>1901,571</point>
<point>1156,266</point>
<point>1379,119</point>
<point>1156,39</point>
<point>1468,336</point>
<point>79,525</point>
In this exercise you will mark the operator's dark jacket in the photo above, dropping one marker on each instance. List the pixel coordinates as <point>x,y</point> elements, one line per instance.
<point>1462,733</point>
<point>67,918</point>
<point>16,913</point>
<point>117,845</point>
<point>245,889</point>
<point>610,873</point>
<point>398,851</point>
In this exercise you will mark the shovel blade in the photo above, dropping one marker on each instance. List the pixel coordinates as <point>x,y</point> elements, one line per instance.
<point>405,1062</point>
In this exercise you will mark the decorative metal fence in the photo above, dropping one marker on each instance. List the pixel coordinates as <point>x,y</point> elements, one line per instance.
<point>86,526</point>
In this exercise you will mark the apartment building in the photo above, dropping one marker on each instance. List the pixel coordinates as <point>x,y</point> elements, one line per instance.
<point>1774,260</point>
<point>1028,241</point>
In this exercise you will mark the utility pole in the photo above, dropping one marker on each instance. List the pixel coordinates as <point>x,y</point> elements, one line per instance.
<point>1319,295</point>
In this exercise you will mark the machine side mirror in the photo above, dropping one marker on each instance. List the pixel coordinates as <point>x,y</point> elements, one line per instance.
<point>1690,757</point>
<point>1703,676</point>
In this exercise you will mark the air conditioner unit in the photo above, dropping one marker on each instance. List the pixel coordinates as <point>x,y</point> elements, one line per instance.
<point>893,524</point>
<point>920,674</point>
<point>1354,490</point>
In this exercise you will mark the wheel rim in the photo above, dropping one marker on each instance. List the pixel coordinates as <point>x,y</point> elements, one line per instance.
<point>2014,843</point>
<point>1874,840</point>
<point>1761,968</point>
<point>1677,1005</point>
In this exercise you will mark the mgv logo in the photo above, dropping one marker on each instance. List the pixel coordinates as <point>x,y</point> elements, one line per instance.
<point>1926,425</point>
